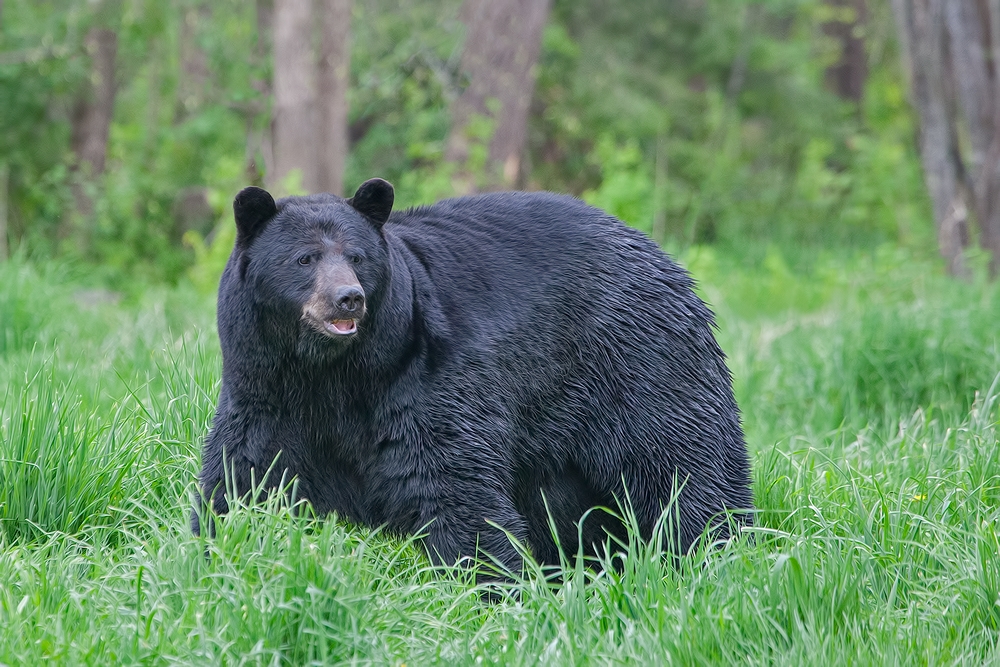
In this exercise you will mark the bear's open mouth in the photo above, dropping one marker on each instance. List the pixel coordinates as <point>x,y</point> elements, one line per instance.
<point>341,327</point>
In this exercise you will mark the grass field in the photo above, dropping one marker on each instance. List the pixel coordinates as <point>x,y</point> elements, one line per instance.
<point>870,399</point>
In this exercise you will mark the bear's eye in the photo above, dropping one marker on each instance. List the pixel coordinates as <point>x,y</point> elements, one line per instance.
<point>305,260</point>
<point>355,259</point>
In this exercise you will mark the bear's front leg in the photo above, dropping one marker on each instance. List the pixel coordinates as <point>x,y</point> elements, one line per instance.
<point>470,522</point>
<point>238,454</point>
<point>459,506</point>
<point>210,497</point>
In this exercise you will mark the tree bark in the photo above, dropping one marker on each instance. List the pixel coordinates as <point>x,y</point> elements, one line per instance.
<point>502,43</point>
<point>294,94</point>
<point>265,28</point>
<point>92,114</point>
<point>921,24</point>
<point>969,29</point>
<point>987,184</point>
<point>952,52</point>
<point>332,76</point>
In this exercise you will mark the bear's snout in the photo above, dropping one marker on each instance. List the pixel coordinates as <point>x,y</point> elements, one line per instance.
<point>337,304</point>
<point>350,299</point>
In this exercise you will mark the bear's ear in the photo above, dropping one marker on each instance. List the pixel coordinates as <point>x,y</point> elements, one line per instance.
<point>253,207</point>
<point>374,200</point>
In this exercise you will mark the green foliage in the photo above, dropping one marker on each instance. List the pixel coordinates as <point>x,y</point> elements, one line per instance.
<point>37,78</point>
<point>164,137</point>
<point>711,118</point>
<point>403,66</point>
<point>210,257</point>
<point>715,116</point>
<point>626,186</point>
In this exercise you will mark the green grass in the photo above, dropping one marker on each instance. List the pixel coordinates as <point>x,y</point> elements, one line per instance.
<point>869,392</point>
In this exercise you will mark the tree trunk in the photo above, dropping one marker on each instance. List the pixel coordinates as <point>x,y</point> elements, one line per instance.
<point>194,80</point>
<point>94,108</point>
<point>969,27</point>
<point>92,115</point>
<point>988,184</point>
<point>952,52</point>
<point>502,43</point>
<point>294,94</point>
<point>847,76</point>
<point>332,78</point>
<point>4,190</point>
<point>260,144</point>
<point>265,28</point>
<point>921,24</point>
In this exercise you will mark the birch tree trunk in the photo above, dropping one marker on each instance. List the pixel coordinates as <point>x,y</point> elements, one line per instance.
<point>502,43</point>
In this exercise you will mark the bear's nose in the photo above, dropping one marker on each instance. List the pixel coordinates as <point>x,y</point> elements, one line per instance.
<point>350,298</point>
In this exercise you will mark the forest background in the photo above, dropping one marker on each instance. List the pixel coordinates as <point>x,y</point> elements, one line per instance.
<point>828,170</point>
<point>128,125</point>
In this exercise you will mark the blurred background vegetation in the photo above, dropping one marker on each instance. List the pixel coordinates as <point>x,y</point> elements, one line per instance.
<point>756,126</point>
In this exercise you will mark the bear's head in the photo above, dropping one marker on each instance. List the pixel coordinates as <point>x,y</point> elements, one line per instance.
<point>320,259</point>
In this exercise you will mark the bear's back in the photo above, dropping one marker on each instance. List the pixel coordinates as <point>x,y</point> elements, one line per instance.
<point>495,234</point>
<point>502,259</point>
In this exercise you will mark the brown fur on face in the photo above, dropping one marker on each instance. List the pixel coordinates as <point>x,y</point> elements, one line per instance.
<point>333,275</point>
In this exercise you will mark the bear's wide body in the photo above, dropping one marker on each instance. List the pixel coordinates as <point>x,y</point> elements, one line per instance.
<point>517,355</point>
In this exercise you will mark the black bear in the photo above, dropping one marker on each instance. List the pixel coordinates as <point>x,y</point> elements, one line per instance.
<point>486,361</point>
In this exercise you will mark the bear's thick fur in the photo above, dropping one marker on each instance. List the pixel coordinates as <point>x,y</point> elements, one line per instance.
<point>485,360</point>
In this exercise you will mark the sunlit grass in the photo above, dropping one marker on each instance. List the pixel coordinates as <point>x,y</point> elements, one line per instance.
<point>871,405</point>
